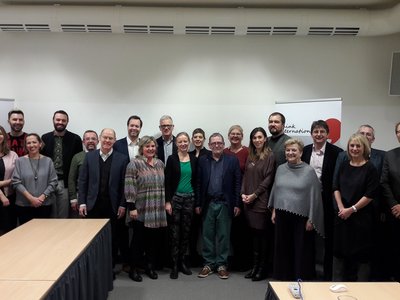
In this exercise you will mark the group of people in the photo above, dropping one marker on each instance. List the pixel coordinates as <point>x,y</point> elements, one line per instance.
<point>274,206</point>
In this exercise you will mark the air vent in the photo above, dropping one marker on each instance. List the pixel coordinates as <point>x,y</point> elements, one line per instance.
<point>284,30</point>
<point>37,27</point>
<point>197,30</point>
<point>346,31</point>
<point>320,31</point>
<point>73,28</point>
<point>223,30</point>
<point>162,29</point>
<point>99,28</point>
<point>136,29</point>
<point>258,30</point>
<point>12,27</point>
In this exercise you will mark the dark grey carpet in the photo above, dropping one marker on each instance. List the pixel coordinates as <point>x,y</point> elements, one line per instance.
<point>187,287</point>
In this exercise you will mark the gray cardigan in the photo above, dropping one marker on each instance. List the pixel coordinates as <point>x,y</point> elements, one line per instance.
<point>23,179</point>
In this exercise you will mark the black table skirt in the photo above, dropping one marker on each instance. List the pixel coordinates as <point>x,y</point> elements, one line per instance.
<point>90,276</point>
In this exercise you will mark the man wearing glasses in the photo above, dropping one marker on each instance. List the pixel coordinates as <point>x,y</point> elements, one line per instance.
<point>218,200</point>
<point>166,142</point>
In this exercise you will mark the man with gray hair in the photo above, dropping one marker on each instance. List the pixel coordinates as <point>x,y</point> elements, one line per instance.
<point>166,142</point>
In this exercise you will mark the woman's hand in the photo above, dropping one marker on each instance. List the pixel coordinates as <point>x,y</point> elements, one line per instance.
<point>309,226</point>
<point>133,214</point>
<point>168,208</point>
<point>36,201</point>
<point>5,200</point>
<point>345,213</point>
<point>273,216</point>
<point>248,199</point>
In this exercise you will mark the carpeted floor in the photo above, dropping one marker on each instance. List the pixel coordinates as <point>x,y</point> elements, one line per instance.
<point>187,287</point>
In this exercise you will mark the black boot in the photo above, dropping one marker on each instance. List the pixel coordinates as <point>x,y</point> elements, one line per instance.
<point>262,270</point>
<point>134,275</point>
<point>183,268</point>
<point>256,266</point>
<point>150,272</point>
<point>174,272</point>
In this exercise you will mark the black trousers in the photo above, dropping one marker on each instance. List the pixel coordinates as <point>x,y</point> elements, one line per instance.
<point>180,225</point>
<point>27,213</point>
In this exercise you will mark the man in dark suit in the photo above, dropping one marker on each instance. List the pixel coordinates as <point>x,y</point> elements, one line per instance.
<point>390,181</point>
<point>129,145</point>
<point>166,142</point>
<point>322,156</point>
<point>61,145</point>
<point>101,184</point>
<point>218,200</point>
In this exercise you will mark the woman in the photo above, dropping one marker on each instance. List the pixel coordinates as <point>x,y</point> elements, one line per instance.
<point>297,214</point>
<point>145,197</point>
<point>198,138</point>
<point>8,218</point>
<point>240,232</point>
<point>390,181</point>
<point>354,188</point>
<point>180,181</point>
<point>35,181</point>
<point>235,136</point>
<point>256,187</point>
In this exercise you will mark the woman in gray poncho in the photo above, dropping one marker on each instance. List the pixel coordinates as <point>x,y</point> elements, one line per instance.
<point>297,214</point>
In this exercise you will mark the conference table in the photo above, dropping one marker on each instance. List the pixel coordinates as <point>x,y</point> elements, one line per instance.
<point>57,259</point>
<point>278,290</point>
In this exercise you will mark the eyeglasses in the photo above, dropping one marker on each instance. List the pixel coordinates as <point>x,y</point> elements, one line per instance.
<point>166,126</point>
<point>216,144</point>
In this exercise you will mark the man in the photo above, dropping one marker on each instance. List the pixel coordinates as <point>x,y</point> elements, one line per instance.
<point>90,141</point>
<point>166,142</point>
<point>322,156</point>
<point>217,199</point>
<point>101,184</point>
<point>129,145</point>
<point>380,234</point>
<point>276,126</point>
<point>61,145</point>
<point>16,137</point>
<point>390,181</point>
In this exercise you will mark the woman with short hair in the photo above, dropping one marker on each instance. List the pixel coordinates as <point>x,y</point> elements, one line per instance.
<point>297,215</point>
<point>145,197</point>
<point>354,189</point>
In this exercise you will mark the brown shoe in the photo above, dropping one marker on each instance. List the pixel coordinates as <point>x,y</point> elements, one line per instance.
<point>222,272</point>
<point>205,272</point>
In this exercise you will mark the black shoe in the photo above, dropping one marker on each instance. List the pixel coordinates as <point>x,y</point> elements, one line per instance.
<point>114,276</point>
<point>151,273</point>
<point>135,276</point>
<point>260,275</point>
<point>184,269</point>
<point>252,273</point>
<point>174,273</point>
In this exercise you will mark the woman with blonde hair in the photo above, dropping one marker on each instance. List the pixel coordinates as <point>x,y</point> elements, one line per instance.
<point>354,189</point>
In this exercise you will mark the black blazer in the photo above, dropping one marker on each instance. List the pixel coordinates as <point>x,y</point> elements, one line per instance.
<point>390,178</point>
<point>89,180</point>
<point>173,174</point>
<point>121,146</point>
<point>231,182</point>
<point>72,144</point>
<point>328,168</point>
<point>160,148</point>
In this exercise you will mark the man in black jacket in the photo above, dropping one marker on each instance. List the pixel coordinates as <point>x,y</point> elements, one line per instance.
<point>61,145</point>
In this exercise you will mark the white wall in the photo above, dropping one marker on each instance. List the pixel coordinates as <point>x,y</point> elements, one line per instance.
<point>202,81</point>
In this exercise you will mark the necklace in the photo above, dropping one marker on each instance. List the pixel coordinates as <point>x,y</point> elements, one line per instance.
<point>35,170</point>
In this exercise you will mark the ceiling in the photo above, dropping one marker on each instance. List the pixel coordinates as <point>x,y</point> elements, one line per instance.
<point>332,4</point>
<point>207,17</point>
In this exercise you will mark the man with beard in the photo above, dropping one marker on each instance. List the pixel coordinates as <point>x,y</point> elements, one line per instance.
<point>276,126</point>
<point>61,145</point>
<point>129,145</point>
<point>90,141</point>
<point>16,137</point>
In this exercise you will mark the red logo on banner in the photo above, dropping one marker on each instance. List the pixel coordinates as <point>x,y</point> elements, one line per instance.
<point>334,129</point>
